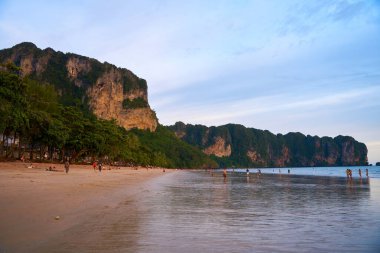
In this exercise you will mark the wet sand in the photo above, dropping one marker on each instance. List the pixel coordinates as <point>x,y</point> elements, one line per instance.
<point>38,206</point>
<point>132,210</point>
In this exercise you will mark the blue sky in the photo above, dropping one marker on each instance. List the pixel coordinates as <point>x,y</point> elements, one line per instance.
<point>286,66</point>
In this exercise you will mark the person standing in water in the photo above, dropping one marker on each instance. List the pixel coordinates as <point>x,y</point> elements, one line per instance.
<point>247,172</point>
<point>100,166</point>
<point>366,172</point>
<point>67,165</point>
<point>360,173</point>
<point>225,173</point>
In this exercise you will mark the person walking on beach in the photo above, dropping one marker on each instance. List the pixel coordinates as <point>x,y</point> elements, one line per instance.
<point>94,165</point>
<point>67,165</point>
<point>247,172</point>
<point>100,167</point>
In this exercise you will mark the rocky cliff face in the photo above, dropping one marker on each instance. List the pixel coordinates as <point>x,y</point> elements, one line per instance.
<point>107,97</point>
<point>101,87</point>
<point>240,146</point>
<point>220,148</point>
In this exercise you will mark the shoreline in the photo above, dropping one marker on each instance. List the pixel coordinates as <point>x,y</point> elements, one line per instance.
<point>357,172</point>
<point>93,205</point>
<point>37,205</point>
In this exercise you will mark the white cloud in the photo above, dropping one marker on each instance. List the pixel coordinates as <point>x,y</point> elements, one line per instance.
<point>280,65</point>
<point>224,112</point>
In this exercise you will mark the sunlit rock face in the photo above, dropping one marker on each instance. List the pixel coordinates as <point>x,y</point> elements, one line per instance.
<point>219,148</point>
<point>102,87</point>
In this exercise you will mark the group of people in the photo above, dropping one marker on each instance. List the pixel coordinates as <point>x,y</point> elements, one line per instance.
<point>349,173</point>
<point>94,165</point>
<point>67,165</point>
<point>99,165</point>
<point>247,171</point>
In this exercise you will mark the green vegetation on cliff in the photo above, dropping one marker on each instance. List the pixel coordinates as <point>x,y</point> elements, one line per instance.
<point>134,103</point>
<point>35,121</point>
<point>49,66</point>
<point>253,147</point>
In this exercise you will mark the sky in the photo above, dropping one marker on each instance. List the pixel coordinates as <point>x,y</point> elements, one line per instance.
<point>285,66</point>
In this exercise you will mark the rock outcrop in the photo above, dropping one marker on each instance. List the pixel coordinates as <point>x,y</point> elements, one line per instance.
<point>101,87</point>
<point>219,148</point>
<point>237,145</point>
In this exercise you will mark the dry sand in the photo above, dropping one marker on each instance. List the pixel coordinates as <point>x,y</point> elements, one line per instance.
<point>36,205</point>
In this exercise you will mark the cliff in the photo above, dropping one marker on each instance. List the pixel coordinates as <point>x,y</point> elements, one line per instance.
<point>236,145</point>
<point>116,93</point>
<point>102,88</point>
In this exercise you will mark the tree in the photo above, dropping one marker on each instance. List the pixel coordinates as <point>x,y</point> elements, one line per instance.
<point>13,103</point>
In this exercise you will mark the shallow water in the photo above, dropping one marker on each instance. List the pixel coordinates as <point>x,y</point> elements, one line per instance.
<point>373,171</point>
<point>193,211</point>
<point>197,212</point>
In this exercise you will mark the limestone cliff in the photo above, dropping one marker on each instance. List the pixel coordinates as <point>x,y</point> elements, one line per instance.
<point>219,148</point>
<point>236,145</point>
<point>106,90</point>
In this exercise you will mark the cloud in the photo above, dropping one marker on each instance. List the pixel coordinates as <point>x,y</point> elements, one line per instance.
<point>373,151</point>
<point>310,66</point>
<point>374,143</point>
<point>304,18</point>
<point>224,112</point>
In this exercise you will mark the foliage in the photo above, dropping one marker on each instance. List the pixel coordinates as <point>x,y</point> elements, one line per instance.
<point>33,111</point>
<point>135,103</point>
<point>292,149</point>
<point>12,100</point>
<point>169,152</point>
<point>132,82</point>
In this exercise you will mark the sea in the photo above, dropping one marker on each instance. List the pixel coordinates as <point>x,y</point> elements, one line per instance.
<point>306,210</point>
<point>373,171</point>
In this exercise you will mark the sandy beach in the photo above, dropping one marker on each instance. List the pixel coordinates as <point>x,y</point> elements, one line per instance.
<point>37,205</point>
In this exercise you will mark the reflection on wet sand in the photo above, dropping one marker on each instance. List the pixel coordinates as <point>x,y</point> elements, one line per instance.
<point>195,211</point>
<point>204,212</point>
<point>110,230</point>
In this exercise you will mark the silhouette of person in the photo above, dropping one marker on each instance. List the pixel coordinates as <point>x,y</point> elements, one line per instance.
<point>67,165</point>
